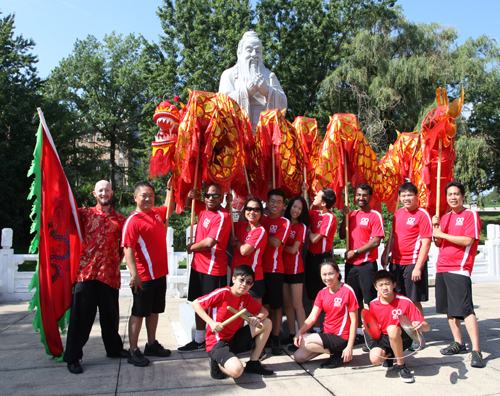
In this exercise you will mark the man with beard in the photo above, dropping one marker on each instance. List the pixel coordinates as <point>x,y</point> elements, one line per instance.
<point>209,265</point>
<point>97,280</point>
<point>366,231</point>
<point>252,85</point>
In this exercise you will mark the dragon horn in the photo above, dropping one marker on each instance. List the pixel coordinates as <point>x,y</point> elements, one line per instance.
<point>455,108</point>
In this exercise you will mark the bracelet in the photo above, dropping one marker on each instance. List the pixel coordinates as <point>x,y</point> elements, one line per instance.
<point>168,188</point>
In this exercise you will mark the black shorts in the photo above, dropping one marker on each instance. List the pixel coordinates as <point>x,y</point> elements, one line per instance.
<point>151,299</point>
<point>242,341</point>
<point>313,280</point>
<point>454,295</point>
<point>273,283</point>
<point>415,291</point>
<point>333,342</point>
<point>257,289</point>
<point>202,284</point>
<point>385,344</point>
<point>360,278</point>
<point>293,278</point>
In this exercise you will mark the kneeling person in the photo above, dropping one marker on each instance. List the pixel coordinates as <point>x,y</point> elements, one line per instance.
<point>386,310</point>
<point>339,302</point>
<point>223,343</point>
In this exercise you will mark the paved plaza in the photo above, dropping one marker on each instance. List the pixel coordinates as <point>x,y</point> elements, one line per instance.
<point>25,369</point>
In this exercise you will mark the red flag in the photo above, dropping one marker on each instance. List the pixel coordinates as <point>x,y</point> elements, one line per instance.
<point>59,243</point>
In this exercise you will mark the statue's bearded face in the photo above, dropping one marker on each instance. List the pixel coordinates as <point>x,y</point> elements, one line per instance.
<point>251,53</point>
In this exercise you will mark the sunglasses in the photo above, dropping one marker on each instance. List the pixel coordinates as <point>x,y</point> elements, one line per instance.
<point>247,282</point>
<point>214,196</point>
<point>252,209</point>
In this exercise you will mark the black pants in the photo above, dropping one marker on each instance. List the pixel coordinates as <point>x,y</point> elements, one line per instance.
<point>86,298</point>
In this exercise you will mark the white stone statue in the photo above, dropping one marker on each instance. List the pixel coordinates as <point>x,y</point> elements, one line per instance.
<point>252,85</point>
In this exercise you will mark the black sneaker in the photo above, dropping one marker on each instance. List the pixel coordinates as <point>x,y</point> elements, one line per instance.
<point>276,348</point>
<point>332,362</point>
<point>75,367</point>
<point>137,358</point>
<point>288,340</point>
<point>371,345</point>
<point>215,371</point>
<point>476,359</point>
<point>192,346</point>
<point>156,350</point>
<point>454,348</point>
<point>405,374</point>
<point>360,339</point>
<point>388,365</point>
<point>292,348</point>
<point>256,367</point>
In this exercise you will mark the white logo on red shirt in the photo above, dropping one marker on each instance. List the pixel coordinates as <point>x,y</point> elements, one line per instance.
<point>246,239</point>
<point>460,221</point>
<point>292,234</point>
<point>410,221</point>
<point>337,301</point>
<point>157,217</point>
<point>241,306</point>
<point>206,223</point>
<point>319,223</point>
<point>396,313</point>
<point>364,221</point>
<point>273,229</point>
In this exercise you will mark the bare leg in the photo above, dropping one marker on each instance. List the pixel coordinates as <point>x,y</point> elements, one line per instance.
<point>233,367</point>
<point>200,323</point>
<point>455,329</point>
<point>260,337</point>
<point>276,317</point>
<point>151,325</point>
<point>310,347</point>
<point>297,289</point>
<point>472,329</point>
<point>289,311</point>
<point>394,333</point>
<point>374,356</point>
<point>134,328</point>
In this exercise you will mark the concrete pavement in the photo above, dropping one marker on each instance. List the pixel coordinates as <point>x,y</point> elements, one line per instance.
<point>26,370</point>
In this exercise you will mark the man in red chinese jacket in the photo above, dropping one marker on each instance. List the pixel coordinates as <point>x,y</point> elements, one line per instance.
<point>97,280</point>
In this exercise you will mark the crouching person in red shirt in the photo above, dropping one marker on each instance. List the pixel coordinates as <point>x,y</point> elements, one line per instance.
<point>224,342</point>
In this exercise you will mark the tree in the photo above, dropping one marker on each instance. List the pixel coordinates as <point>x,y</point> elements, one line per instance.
<point>202,37</point>
<point>305,40</point>
<point>105,87</point>
<point>19,97</point>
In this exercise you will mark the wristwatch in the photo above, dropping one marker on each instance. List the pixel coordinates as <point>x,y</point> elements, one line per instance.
<point>355,251</point>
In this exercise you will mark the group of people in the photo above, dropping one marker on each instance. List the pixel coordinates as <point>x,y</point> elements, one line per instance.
<point>268,273</point>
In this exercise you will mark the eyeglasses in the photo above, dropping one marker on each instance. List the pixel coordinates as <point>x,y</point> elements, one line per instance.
<point>255,209</point>
<point>247,282</point>
<point>214,196</point>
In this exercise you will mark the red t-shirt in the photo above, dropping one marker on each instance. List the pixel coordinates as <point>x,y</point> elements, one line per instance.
<point>145,233</point>
<point>272,261</point>
<point>453,257</point>
<point>216,303</point>
<point>363,227</point>
<point>388,314</point>
<point>326,225</point>
<point>257,238</point>
<point>215,225</point>
<point>337,307</point>
<point>410,227</point>
<point>293,263</point>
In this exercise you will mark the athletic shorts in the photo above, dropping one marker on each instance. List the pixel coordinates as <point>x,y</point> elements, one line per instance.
<point>313,280</point>
<point>202,284</point>
<point>385,344</point>
<point>333,342</point>
<point>454,295</point>
<point>242,341</point>
<point>151,299</point>
<point>257,289</point>
<point>415,291</point>
<point>360,278</point>
<point>293,278</point>
<point>273,283</point>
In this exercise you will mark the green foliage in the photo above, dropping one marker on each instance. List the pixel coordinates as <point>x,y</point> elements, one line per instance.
<point>19,97</point>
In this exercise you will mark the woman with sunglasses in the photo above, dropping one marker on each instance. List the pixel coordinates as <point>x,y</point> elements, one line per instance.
<point>293,282</point>
<point>339,302</point>
<point>249,243</point>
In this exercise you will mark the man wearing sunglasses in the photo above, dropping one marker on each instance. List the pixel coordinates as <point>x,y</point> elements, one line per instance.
<point>209,265</point>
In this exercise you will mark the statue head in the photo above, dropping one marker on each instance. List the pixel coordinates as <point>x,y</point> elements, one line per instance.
<point>250,52</point>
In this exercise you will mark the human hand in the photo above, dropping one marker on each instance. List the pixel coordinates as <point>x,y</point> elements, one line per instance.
<point>437,233</point>
<point>135,283</point>
<point>233,240</point>
<point>297,340</point>
<point>435,221</point>
<point>188,248</point>
<point>345,210</point>
<point>349,254</point>
<point>254,321</point>
<point>416,275</point>
<point>193,193</point>
<point>347,354</point>
<point>216,327</point>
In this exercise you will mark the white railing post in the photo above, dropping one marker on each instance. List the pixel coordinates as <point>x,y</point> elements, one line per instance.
<point>6,262</point>
<point>492,244</point>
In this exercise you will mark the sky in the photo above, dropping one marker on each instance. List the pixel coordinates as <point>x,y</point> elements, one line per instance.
<point>55,25</point>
